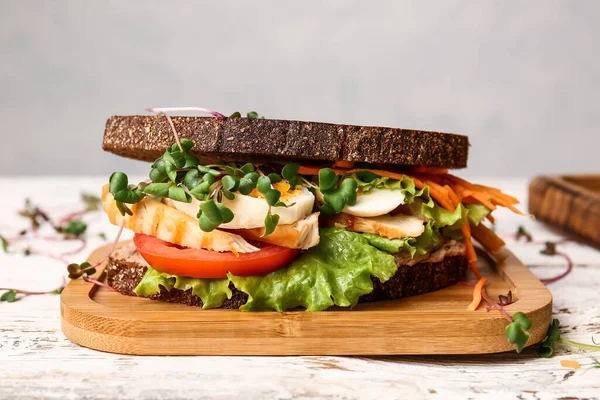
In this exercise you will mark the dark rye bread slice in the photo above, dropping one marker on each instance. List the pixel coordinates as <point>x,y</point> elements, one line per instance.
<point>443,268</point>
<point>263,140</point>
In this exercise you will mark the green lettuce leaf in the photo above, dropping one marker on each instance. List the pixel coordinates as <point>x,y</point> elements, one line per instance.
<point>366,181</point>
<point>335,272</point>
<point>212,292</point>
<point>477,212</point>
<point>152,281</point>
<point>416,246</point>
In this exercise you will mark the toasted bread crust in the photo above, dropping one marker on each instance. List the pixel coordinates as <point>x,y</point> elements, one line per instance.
<point>270,140</point>
<point>126,269</point>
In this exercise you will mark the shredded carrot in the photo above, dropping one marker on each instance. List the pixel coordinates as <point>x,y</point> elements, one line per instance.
<point>343,164</point>
<point>502,202</point>
<point>491,218</point>
<point>569,364</point>
<point>418,184</point>
<point>462,192</point>
<point>466,231</point>
<point>421,169</point>
<point>477,294</point>
<point>484,199</point>
<point>461,181</point>
<point>487,238</point>
<point>453,196</point>
<point>498,193</point>
<point>471,255</point>
<point>440,194</point>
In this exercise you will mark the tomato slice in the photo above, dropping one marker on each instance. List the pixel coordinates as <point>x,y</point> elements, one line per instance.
<point>199,263</point>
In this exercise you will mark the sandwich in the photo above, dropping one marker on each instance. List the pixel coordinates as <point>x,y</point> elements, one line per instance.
<point>262,214</point>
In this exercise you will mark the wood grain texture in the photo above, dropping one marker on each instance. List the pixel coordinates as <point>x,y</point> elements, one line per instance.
<point>434,323</point>
<point>145,137</point>
<point>570,203</point>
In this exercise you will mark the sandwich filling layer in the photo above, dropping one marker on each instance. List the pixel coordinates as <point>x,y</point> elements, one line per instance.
<point>282,236</point>
<point>444,267</point>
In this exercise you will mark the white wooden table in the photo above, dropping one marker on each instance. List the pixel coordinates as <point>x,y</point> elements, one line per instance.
<point>37,361</point>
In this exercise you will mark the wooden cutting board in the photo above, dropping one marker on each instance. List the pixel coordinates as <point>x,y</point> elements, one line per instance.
<point>571,203</point>
<point>434,323</point>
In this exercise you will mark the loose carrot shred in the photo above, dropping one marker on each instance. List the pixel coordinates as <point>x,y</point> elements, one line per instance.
<point>461,181</point>
<point>477,294</point>
<point>498,193</point>
<point>418,184</point>
<point>569,364</point>
<point>453,196</point>
<point>484,199</point>
<point>469,200</point>
<point>487,238</point>
<point>440,194</point>
<point>343,164</point>
<point>471,255</point>
<point>461,191</point>
<point>503,203</point>
<point>466,231</point>
<point>491,218</point>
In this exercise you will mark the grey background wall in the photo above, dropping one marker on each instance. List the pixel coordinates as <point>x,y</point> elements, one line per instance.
<point>522,79</point>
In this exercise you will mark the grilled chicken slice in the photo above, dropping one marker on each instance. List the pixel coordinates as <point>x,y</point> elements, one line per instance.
<point>391,227</point>
<point>301,234</point>
<point>151,217</point>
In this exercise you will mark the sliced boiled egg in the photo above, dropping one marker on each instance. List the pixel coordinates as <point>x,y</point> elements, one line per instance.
<point>250,211</point>
<point>373,203</point>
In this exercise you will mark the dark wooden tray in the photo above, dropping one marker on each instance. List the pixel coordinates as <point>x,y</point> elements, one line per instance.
<point>571,203</point>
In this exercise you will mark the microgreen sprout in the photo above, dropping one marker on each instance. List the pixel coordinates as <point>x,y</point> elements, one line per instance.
<point>165,110</point>
<point>86,269</point>
<point>336,196</point>
<point>11,295</point>
<point>185,109</point>
<point>73,229</point>
<point>546,347</point>
<point>518,324</point>
<point>36,216</point>
<point>69,227</point>
<point>517,331</point>
<point>4,243</point>
<point>249,114</point>
<point>522,232</point>
<point>550,250</point>
<point>505,300</point>
<point>91,202</point>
